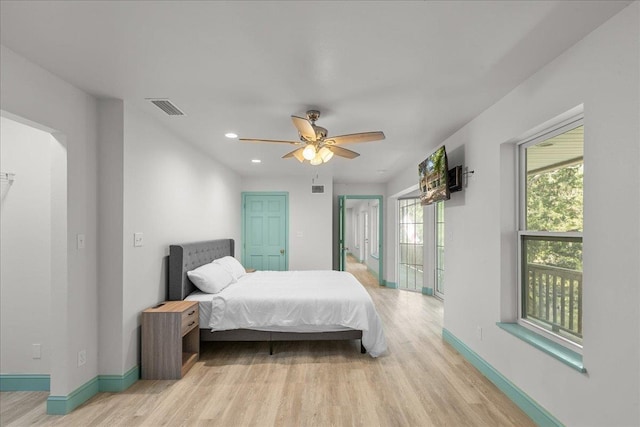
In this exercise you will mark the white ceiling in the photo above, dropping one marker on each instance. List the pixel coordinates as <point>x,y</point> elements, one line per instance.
<point>416,70</point>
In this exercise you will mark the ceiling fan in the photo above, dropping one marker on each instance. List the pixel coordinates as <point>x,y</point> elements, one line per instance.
<point>315,145</point>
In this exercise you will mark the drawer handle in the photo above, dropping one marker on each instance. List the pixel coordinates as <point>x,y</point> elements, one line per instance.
<point>191,313</point>
<point>191,323</point>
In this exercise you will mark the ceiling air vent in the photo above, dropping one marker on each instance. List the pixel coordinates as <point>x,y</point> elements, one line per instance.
<point>166,106</point>
<point>317,188</point>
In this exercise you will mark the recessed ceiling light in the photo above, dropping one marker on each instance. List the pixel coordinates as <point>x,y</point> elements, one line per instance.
<point>231,135</point>
<point>256,161</point>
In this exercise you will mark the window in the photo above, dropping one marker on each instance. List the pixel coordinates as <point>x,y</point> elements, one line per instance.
<point>410,251</point>
<point>550,235</point>
<point>439,241</point>
<point>375,229</point>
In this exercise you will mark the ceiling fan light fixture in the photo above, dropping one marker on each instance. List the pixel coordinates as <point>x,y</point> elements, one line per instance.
<point>309,152</point>
<point>314,146</point>
<point>317,160</point>
<point>326,154</point>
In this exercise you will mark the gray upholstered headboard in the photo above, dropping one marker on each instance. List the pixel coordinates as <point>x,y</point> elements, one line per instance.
<point>188,256</point>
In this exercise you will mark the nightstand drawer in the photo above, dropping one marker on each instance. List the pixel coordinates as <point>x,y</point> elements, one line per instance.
<point>190,319</point>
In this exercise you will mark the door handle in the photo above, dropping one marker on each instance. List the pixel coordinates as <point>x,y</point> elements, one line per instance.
<point>281,251</point>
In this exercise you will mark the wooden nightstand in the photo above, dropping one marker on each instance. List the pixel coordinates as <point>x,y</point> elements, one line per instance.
<point>170,340</point>
<point>250,270</point>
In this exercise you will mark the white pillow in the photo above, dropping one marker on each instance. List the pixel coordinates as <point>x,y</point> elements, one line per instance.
<point>232,266</point>
<point>210,278</point>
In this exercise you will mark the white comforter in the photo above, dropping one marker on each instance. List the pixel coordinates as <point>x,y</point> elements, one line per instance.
<point>299,298</point>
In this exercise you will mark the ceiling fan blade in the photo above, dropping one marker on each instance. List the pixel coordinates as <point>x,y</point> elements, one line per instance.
<point>342,152</point>
<point>297,153</point>
<point>268,140</point>
<point>355,138</point>
<point>304,127</point>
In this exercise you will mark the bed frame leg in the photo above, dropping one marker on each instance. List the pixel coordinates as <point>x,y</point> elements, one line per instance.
<point>270,348</point>
<point>362,349</point>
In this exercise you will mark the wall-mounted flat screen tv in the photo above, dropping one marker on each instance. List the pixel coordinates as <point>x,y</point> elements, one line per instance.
<point>434,177</point>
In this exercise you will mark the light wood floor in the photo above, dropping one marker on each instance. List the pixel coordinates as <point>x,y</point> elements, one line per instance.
<point>422,381</point>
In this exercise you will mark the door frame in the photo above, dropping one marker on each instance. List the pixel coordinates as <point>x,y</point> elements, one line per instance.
<point>342,228</point>
<point>286,221</point>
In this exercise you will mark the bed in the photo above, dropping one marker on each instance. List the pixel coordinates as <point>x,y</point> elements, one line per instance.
<point>276,306</point>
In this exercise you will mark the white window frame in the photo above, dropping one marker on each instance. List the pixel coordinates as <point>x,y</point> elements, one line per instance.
<point>548,133</point>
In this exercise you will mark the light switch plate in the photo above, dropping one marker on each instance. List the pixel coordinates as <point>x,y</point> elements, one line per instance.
<point>138,239</point>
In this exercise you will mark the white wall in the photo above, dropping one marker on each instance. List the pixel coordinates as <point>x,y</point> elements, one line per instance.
<point>359,211</point>
<point>310,218</point>
<point>349,238</point>
<point>602,72</point>
<point>353,230</point>
<point>35,94</point>
<point>173,193</point>
<point>25,253</point>
<point>372,209</point>
<point>110,237</point>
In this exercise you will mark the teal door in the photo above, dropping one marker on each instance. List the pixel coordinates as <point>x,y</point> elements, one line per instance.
<point>265,231</point>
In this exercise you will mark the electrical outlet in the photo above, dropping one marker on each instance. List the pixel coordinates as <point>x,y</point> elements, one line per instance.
<point>80,241</point>
<point>82,357</point>
<point>479,331</point>
<point>138,239</point>
<point>36,351</point>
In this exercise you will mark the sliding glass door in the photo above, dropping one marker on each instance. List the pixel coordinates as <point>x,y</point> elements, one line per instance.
<point>411,249</point>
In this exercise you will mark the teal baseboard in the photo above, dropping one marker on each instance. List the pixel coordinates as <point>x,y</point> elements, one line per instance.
<point>427,291</point>
<point>61,405</point>
<point>118,383</point>
<point>529,406</point>
<point>25,382</point>
<point>392,285</point>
